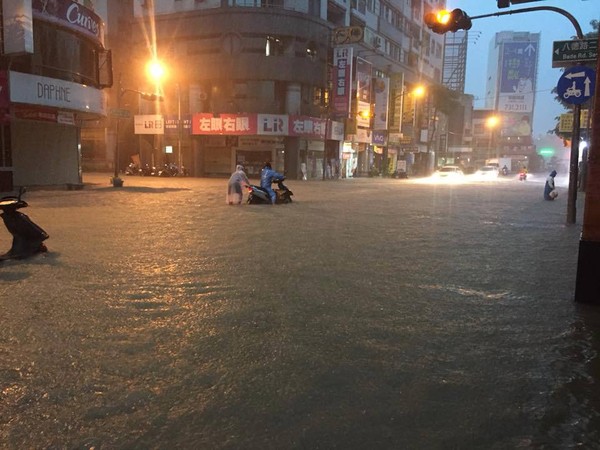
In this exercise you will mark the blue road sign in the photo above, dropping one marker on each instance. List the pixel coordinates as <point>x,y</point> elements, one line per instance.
<point>577,85</point>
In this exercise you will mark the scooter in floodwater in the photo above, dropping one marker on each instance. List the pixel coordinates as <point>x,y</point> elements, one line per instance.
<point>28,238</point>
<point>259,196</point>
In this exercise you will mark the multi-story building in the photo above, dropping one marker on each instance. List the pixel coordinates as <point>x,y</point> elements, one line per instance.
<point>305,84</point>
<point>53,67</point>
<point>510,92</point>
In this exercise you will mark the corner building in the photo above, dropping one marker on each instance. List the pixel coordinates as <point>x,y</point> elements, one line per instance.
<point>252,80</point>
<point>246,82</point>
<point>53,67</point>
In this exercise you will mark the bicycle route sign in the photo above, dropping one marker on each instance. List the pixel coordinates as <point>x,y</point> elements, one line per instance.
<point>576,85</point>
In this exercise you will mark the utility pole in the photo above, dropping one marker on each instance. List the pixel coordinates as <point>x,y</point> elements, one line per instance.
<point>587,286</point>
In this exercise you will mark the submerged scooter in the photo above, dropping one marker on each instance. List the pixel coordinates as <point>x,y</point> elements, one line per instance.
<point>28,238</point>
<point>258,195</point>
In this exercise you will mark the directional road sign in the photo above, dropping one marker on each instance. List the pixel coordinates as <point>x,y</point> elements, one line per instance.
<point>565,53</point>
<point>576,85</point>
<point>120,113</point>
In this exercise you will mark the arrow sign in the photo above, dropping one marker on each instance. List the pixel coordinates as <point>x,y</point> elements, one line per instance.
<point>575,75</point>
<point>576,85</point>
<point>529,50</point>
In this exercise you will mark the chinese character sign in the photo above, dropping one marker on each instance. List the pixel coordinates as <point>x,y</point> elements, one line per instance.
<point>342,80</point>
<point>224,124</point>
<point>517,77</point>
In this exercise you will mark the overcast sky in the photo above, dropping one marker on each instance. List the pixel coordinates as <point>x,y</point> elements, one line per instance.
<point>552,26</point>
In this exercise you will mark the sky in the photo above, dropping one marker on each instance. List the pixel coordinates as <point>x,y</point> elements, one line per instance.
<point>552,26</point>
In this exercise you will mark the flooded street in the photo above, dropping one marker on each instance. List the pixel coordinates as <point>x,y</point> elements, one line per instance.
<point>369,313</point>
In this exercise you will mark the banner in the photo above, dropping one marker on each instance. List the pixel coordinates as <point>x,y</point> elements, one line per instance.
<point>342,80</point>
<point>381,88</point>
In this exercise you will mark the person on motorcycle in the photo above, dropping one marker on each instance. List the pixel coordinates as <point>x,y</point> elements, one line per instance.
<point>267,176</point>
<point>549,188</point>
<point>234,186</point>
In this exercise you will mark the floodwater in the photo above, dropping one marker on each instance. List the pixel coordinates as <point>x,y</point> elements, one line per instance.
<point>369,313</point>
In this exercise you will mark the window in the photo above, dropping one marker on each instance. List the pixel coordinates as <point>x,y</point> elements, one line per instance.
<point>60,54</point>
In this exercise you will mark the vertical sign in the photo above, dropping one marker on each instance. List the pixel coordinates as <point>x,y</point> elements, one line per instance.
<point>342,80</point>
<point>363,92</point>
<point>17,21</point>
<point>517,77</point>
<point>381,88</point>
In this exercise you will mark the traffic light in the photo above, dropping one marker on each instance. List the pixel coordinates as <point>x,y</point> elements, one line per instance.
<point>507,3</point>
<point>441,22</point>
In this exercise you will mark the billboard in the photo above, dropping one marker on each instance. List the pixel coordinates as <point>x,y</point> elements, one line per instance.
<point>518,72</point>
<point>381,89</point>
<point>363,92</point>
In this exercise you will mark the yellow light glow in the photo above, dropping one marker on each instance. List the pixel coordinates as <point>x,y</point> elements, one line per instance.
<point>156,70</point>
<point>492,121</point>
<point>443,16</point>
<point>419,91</point>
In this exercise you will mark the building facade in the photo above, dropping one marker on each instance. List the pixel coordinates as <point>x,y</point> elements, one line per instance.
<point>510,92</point>
<point>319,88</point>
<point>53,68</point>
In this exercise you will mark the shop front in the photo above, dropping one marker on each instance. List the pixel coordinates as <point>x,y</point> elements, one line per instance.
<point>295,145</point>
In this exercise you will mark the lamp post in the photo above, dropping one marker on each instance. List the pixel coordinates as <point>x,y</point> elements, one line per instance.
<point>417,92</point>
<point>491,123</point>
<point>116,180</point>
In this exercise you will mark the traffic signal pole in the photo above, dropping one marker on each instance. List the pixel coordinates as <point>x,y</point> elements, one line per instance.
<point>587,286</point>
<point>574,161</point>
<point>587,289</point>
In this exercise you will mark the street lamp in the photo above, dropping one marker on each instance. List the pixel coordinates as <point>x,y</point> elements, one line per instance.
<point>117,181</point>
<point>415,93</point>
<point>491,123</point>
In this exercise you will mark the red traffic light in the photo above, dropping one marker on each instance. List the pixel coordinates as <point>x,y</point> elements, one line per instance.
<point>443,21</point>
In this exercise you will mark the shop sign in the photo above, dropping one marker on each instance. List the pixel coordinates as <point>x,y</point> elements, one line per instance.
<point>379,138</point>
<point>363,92</point>
<point>381,87</point>
<point>342,80</point>
<point>70,14</point>
<point>227,124</point>
<point>336,131</point>
<point>172,121</point>
<point>149,124</point>
<point>44,91</point>
<point>309,127</point>
<point>273,124</point>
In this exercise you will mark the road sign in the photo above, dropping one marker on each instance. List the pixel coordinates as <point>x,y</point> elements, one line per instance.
<point>578,51</point>
<point>348,35</point>
<point>576,85</point>
<point>120,113</point>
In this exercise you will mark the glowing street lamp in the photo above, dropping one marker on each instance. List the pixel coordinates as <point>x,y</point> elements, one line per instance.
<point>491,123</point>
